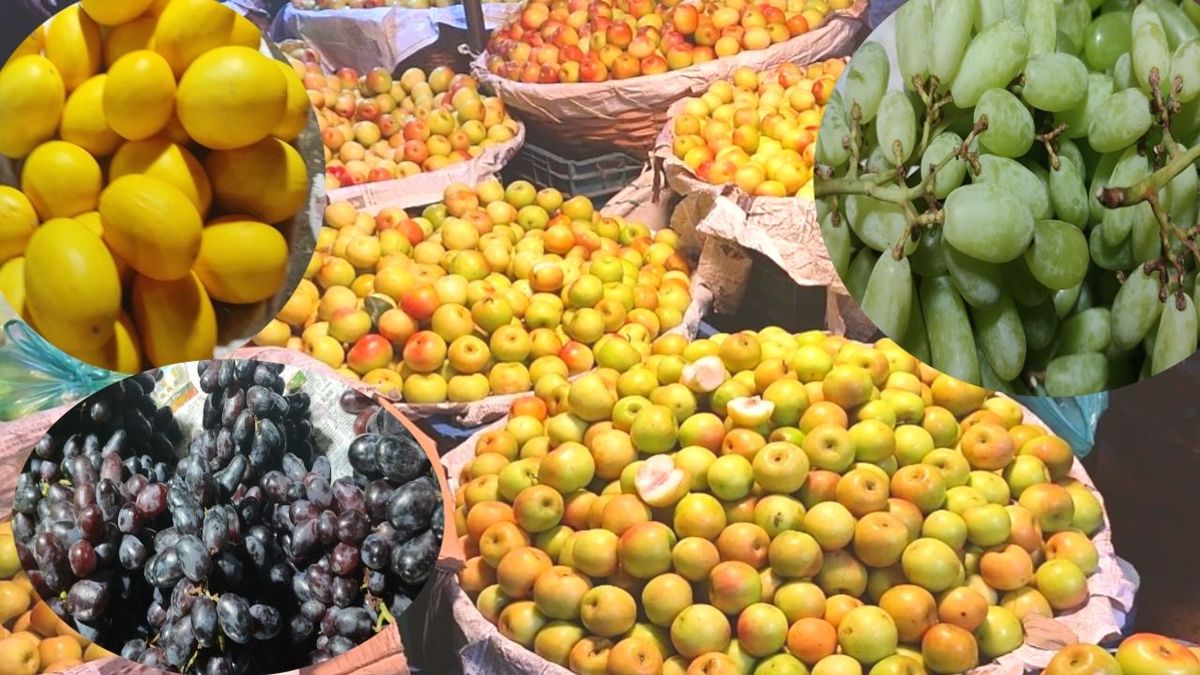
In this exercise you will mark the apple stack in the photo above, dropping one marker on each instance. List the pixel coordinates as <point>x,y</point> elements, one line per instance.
<point>772,503</point>
<point>485,293</point>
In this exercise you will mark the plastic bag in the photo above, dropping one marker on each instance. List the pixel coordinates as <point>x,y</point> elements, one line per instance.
<point>37,376</point>
<point>1074,419</point>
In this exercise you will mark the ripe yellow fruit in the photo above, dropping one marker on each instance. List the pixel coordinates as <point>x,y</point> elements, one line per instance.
<point>95,652</point>
<point>18,656</point>
<point>129,37</point>
<point>245,33</point>
<point>74,45</point>
<point>17,222</point>
<point>242,261</point>
<point>139,97</point>
<point>72,290</point>
<point>32,95</point>
<point>152,225</point>
<point>274,334</point>
<point>83,120</point>
<point>231,97</point>
<point>162,159</point>
<point>113,12</point>
<point>12,284</point>
<point>10,563</point>
<point>122,354</point>
<point>61,180</point>
<point>188,28</point>
<point>298,110</point>
<point>267,180</point>
<point>175,319</point>
<point>14,601</point>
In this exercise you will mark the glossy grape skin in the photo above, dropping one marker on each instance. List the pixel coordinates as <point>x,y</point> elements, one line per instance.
<point>889,294</point>
<point>987,223</point>
<point>1122,119</point>
<point>1010,124</point>
<point>951,341</point>
<point>866,79</point>
<point>993,59</point>
<point>1058,255</point>
<point>1149,49</point>
<point>950,35</point>
<point>915,19</point>
<point>1055,82</point>
<point>1176,337</point>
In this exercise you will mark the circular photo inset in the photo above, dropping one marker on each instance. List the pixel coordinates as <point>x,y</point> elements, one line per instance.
<point>228,517</point>
<point>1009,189</point>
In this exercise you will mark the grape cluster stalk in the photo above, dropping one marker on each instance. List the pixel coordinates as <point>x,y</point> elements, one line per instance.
<point>234,551</point>
<point>1022,214</point>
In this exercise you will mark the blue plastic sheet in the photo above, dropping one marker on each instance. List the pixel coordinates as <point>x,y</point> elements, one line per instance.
<point>1073,419</point>
<point>37,376</point>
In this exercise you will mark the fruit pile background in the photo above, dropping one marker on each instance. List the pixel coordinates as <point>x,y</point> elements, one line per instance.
<point>154,181</point>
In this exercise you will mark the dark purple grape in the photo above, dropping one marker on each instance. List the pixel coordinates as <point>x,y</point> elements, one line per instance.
<point>375,552</point>
<point>259,400</point>
<point>229,477</point>
<point>363,454</point>
<point>151,502</point>
<point>413,561</point>
<point>319,493</point>
<point>411,507</point>
<point>82,558</point>
<point>178,642</point>
<point>267,621</point>
<point>233,615</point>
<point>327,527</point>
<point>352,401</point>
<point>401,459</point>
<point>340,645</point>
<point>345,591</point>
<point>353,527</point>
<point>243,430</point>
<point>347,496</point>
<point>194,559</point>
<point>228,569</point>
<point>293,467</point>
<point>132,553</point>
<point>188,517</point>
<point>87,600</point>
<point>48,471</point>
<point>204,621</point>
<point>304,511</point>
<point>344,559</point>
<point>47,448</point>
<point>304,540</point>
<point>363,418</point>
<point>313,610</point>
<point>354,623</point>
<point>91,522</point>
<point>215,530</point>
<point>320,584</point>
<point>377,582</point>
<point>133,650</point>
<point>116,444</point>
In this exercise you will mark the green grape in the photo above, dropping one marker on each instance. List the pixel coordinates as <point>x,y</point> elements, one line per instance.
<point>1100,177</point>
<point>1010,124</point>
<point>1192,10</point>
<point>1174,22</point>
<point>1145,243</point>
<point>877,223</point>
<point>1058,257</point>
<point>914,20</point>
<point>1120,121</point>
<point>1176,337</point>
<point>1135,309</point>
<point>1065,299</point>
<point>989,14</point>
<point>889,294</point>
<point>1001,337</point>
<point>1040,323</point>
<point>1118,223</point>
<point>951,342</point>
<point>1041,24</point>
<point>1108,37</point>
<point>1017,181</point>
<point>1185,66</point>
<point>1014,10</point>
<point>835,130</point>
<point>1068,194</point>
<point>1186,122</point>
<point>1122,73</point>
<point>860,273</point>
<point>979,283</point>
<point>866,79</point>
<point>1149,50</point>
<point>1069,151</point>
<point>1022,286</point>
<point>951,176</point>
<point>950,35</point>
<point>1077,374</point>
<point>987,222</point>
<point>1100,87</point>
<point>994,59</point>
<point>1055,82</point>
<point>927,260</point>
<point>1085,332</point>
<point>896,123</point>
<point>988,378</point>
<point>1074,17</point>
<point>1087,297</point>
<point>1179,197</point>
<point>1112,258</point>
<point>837,241</point>
<point>915,339</point>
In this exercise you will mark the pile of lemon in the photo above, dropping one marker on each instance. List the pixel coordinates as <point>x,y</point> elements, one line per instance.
<point>32,638</point>
<point>156,160</point>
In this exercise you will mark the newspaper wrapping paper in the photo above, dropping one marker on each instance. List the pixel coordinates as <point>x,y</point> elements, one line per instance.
<point>382,36</point>
<point>429,188</point>
<point>238,323</point>
<point>1112,590</point>
<point>560,103</point>
<point>382,654</point>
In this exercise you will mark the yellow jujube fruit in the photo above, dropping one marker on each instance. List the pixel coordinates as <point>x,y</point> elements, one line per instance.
<point>139,97</point>
<point>61,180</point>
<point>188,28</point>
<point>122,354</point>
<point>231,97</point>
<point>12,284</point>
<point>162,159</point>
<point>17,222</point>
<point>298,110</point>
<point>32,96</point>
<point>71,286</point>
<point>14,601</point>
<point>114,12</point>
<point>245,33</point>
<point>19,656</point>
<point>129,37</point>
<point>274,334</point>
<point>267,180</point>
<point>175,320</point>
<point>95,223</point>
<point>74,45</point>
<point>83,120</point>
<point>152,225</point>
<point>241,261</point>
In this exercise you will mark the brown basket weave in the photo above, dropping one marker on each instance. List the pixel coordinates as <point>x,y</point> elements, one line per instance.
<point>442,53</point>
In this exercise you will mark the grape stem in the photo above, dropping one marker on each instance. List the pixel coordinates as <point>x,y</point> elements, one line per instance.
<point>1049,139</point>
<point>1147,188</point>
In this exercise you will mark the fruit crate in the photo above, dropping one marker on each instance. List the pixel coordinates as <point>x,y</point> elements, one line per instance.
<point>596,178</point>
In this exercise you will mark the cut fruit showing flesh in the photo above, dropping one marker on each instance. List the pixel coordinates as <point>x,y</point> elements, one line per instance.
<point>705,375</point>
<point>660,483</point>
<point>750,411</point>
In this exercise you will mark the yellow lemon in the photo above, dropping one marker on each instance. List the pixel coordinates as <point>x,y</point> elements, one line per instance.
<point>139,97</point>
<point>12,284</point>
<point>242,261</point>
<point>74,45</point>
<point>160,158</point>
<point>245,33</point>
<point>188,28</point>
<point>267,180</point>
<point>17,222</point>
<point>30,45</point>
<point>129,37</point>
<point>175,320</point>
<point>71,286</point>
<point>61,180</point>
<point>32,95</point>
<point>122,354</point>
<point>152,225</point>
<point>113,12</point>
<point>83,120</point>
<point>231,97</point>
<point>18,656</point>
<point>298,109</point>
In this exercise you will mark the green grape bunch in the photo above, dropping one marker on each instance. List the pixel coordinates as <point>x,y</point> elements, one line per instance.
<point>1022,212</point>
